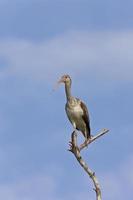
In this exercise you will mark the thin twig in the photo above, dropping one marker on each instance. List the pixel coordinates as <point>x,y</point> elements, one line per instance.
<point>93,138</point>
<point>76,151</point>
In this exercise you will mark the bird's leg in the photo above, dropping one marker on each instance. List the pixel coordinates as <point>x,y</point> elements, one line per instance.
<point>87,140</point>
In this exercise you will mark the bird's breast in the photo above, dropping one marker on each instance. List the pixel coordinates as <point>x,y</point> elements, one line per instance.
<point>74,111</point>
<point>75,115</point>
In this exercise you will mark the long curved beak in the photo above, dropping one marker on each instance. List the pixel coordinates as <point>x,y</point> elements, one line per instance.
<point>58,83</point>
<point>61,80</point>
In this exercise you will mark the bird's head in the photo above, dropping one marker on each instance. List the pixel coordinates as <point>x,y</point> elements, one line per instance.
<point>65,79</point>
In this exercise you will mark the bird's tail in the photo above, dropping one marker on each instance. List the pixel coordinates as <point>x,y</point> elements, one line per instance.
<point>88,135</point>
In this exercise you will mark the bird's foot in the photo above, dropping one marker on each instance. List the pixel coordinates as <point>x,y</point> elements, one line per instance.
<point>87,140</point>
<point>91,136</point>
<point>86,143</point>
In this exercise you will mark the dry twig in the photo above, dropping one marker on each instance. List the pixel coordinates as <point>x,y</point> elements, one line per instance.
<point>75,149</point>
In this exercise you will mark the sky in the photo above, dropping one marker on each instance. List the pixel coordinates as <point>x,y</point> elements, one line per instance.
<point>40,40</point>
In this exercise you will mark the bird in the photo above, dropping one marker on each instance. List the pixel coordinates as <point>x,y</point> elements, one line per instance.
<point>76,109</point>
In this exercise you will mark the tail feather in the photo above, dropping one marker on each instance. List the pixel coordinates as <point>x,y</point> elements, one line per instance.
<point>87,133</point>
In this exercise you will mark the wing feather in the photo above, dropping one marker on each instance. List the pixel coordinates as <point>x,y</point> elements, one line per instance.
<point>86,117</point>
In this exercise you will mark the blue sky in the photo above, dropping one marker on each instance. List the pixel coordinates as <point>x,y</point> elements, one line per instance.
<point>39,41</point>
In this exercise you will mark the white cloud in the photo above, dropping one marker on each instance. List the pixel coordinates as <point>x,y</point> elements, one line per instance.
<point>103,54</point>
<point>37,187</point>
<point>115,185</point>
<point>127,173</point>
<point>118,184</point>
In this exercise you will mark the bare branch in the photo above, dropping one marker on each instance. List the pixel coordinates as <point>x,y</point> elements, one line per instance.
<point>76,151</point>
<point>93,138</point>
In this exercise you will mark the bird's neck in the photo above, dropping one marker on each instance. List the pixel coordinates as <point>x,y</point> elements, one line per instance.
<point>68,91</point>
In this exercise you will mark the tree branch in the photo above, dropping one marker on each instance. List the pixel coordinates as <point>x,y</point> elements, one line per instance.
<point>76,151</point>
<point>93,138</point>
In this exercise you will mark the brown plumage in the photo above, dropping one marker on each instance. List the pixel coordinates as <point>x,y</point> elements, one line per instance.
<point>76,110</point>
<point>86,118</point>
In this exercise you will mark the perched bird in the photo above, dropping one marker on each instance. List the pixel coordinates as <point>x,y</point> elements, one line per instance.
<point>76,110</point>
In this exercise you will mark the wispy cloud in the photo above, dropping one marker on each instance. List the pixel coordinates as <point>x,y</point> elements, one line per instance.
<point>118,183</point>
<point>31,188</point>
<point>102,54</point>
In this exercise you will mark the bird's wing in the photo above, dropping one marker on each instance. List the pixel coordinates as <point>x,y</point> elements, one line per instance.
<point>85,116</point>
